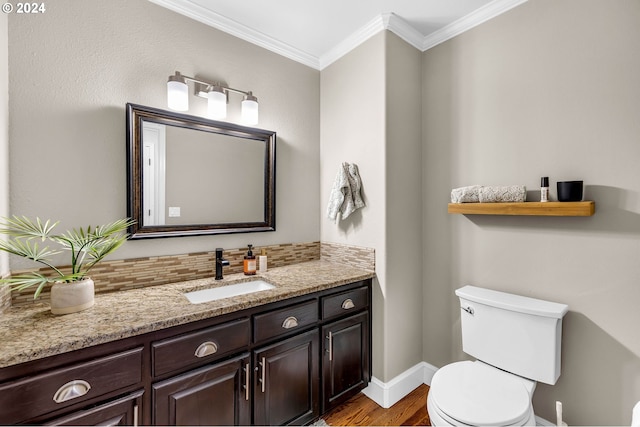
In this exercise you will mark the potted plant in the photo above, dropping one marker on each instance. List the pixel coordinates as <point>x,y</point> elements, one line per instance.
<point>71,291</point>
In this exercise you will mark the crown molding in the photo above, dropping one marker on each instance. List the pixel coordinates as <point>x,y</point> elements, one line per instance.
<point>354,40</point>
<point>475,18</point>
<point>229,26</point>
<point>403,29</point>
<point>386,21</point>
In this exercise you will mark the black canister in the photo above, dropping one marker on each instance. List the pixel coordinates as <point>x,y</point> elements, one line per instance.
<point>569,191</point>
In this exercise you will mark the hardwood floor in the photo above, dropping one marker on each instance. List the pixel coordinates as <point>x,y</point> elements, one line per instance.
<point>362,411</point>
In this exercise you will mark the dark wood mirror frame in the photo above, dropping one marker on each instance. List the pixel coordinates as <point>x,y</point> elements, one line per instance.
<point>135,115</point>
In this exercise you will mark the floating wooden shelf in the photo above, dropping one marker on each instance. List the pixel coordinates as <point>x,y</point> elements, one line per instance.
<point>587,208</point>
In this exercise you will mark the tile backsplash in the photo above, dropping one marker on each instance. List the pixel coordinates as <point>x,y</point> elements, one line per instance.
<point>354,256</point>
<point>118,275</point>
<point>5,298</point>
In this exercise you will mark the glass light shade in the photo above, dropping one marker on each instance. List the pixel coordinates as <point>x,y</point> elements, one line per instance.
<point>177,95</point>
<point>250,110</point>
<point>216,104</point>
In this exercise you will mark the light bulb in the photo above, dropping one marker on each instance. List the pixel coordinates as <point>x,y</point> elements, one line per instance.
<point>217,103</point>
<point>250,109</point>
<point>177,93</point>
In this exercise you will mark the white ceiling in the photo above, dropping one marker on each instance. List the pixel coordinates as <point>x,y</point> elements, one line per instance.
<point>317,32</point>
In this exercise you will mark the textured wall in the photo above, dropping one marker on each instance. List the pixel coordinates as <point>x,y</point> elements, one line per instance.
<point>73,68</point>
<point>548,89</point>
<point>352,130</point>
<point>403,227</point>
<point>4,145</point>
<point>371,116</point>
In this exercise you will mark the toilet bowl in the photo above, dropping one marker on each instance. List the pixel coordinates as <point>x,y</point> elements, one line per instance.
<point>474,393</point>
<point>516,341</point>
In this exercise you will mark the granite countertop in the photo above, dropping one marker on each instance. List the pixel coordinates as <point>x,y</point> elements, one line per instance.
<point>32,332</point>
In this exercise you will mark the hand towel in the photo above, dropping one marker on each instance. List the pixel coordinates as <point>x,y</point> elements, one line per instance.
<point>489,194</point>
<point>468,194</point>
<point>351,204</point>
<point>510,193</point>
<point>345,197</point>
<point>338,192</point>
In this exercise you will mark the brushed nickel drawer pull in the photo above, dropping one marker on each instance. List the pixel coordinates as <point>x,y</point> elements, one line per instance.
<point>206,348</point>
<point>246,382</point>
<point>71,390</point>
<point>330,338</point>
<point>290,322</point>
<point>264,374</point>
<point>135,416</point>
<point>347,304</point>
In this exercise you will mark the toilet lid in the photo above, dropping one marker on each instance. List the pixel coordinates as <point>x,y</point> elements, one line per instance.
<point>474,393</point>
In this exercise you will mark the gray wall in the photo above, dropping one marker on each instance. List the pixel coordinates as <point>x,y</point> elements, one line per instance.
<point>352,130</point>
<point>370,109</point>
<point>73,68</point>
<point>403,303</point>
<point>550,88</point>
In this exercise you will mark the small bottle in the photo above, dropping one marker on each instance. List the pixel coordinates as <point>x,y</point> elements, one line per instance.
<point>544,189</point>
<point>262,261</point>
<point>250,263</point>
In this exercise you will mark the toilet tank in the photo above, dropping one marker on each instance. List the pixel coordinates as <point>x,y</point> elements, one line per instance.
<point>517,334</point>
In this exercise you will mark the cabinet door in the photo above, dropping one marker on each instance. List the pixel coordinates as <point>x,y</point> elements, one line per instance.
<point>346,359</point>
<point>211,395</point>
<point>287,381</point>
<point>125,411</point>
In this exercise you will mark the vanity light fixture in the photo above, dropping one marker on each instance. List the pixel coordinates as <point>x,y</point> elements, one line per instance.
<point>216,93</point>
<point>177,93</point>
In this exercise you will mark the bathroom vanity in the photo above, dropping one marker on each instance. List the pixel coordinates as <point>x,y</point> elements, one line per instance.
<point>281,356</point>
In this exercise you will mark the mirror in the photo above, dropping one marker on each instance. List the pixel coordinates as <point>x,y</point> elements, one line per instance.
<point>190,176</point>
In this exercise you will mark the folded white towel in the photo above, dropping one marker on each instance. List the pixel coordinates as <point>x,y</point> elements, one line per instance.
<point>510,193</point>
<point>479,193</point>
<point>345,197</point>
<point>470,194</point>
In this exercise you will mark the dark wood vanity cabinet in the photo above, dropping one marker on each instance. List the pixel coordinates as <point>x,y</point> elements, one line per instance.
<point>281,363</point>
<point>345,363</point>
<point>123,411</point>
<point>286,385</point>
<point>215,394</point>
<point>82,390</point>
<point>346,356</point>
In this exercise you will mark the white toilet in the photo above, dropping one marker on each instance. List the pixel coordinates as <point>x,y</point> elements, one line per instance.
<point>516,341</point>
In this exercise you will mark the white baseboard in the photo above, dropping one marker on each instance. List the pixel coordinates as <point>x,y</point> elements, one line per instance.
<point>387,394</point>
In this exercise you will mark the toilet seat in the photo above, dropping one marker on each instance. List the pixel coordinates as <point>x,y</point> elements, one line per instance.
<point>474,393</point>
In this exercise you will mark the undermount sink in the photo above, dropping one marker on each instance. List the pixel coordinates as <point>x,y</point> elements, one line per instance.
<point>227,291</point>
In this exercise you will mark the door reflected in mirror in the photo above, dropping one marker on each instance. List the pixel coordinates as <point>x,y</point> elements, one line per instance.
<point>189,175</point>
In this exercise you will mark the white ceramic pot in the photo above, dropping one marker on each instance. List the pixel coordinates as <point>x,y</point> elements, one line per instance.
<point>72,297</point>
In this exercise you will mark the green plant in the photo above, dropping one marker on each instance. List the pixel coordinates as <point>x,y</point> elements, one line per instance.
<point>87,247</point>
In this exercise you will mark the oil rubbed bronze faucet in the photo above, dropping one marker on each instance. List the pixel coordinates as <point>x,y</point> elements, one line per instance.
<point>220,262</point>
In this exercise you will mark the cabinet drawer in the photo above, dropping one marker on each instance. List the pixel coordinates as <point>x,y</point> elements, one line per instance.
<point>124,411</point>
<point>203,345</point>
<point>345,302</point>
<point>63,387</point>
<point>285,320</point>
